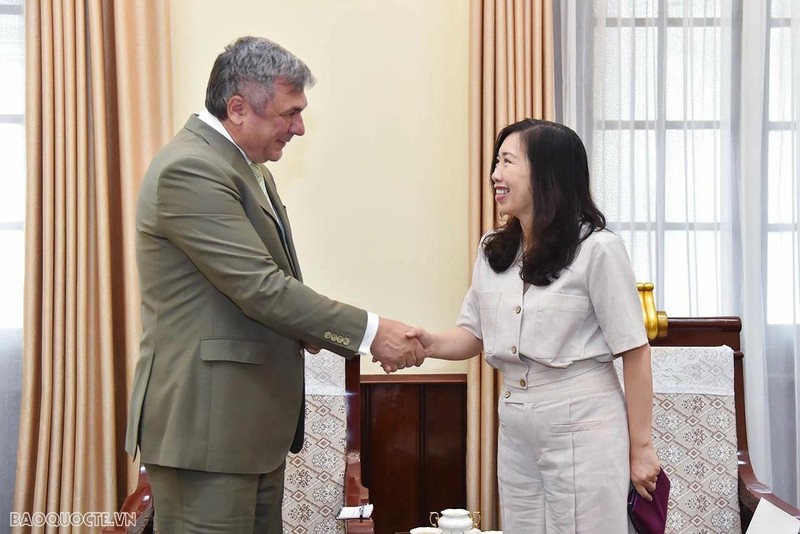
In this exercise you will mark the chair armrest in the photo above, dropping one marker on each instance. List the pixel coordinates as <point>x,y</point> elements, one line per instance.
<point>139,505</point>
<point>751,490</point>
<point>355,494</point>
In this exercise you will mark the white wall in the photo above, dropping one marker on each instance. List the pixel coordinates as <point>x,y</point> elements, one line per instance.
<point>377,188</point>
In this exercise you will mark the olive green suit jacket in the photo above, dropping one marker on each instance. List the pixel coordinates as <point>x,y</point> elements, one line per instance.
<point>219,381</point>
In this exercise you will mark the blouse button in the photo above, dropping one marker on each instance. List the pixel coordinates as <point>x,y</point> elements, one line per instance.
<point>513,350</point>
<point>517,309</point>
<point>508,394</point>
<point>522,383</point>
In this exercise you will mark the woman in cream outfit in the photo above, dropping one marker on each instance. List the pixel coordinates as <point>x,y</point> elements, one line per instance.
<point>553,301</point>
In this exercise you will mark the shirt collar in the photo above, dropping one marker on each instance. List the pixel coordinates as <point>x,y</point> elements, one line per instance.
<point>215,123</point>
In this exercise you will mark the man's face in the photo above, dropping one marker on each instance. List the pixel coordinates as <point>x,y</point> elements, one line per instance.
<point>263,135</point>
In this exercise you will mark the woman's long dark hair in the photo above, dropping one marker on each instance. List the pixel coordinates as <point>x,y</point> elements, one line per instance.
<point>564,213</point>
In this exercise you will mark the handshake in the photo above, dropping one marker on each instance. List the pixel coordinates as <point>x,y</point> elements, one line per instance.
<point>397,345</point>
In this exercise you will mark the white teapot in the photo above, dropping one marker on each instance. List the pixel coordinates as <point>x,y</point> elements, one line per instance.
<point>456,521</point>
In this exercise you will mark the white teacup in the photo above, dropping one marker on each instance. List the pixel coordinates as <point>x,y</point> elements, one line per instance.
<point>426,530</point>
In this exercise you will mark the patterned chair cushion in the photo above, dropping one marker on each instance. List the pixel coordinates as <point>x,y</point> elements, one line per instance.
<point>314,481</point>
<point>694,434</point>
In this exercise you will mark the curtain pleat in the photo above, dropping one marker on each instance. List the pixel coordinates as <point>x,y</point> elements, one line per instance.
<point>98,107</point>
<point>511,78</point>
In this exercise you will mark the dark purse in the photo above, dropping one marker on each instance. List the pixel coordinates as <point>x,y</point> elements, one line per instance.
<point>650,517</point>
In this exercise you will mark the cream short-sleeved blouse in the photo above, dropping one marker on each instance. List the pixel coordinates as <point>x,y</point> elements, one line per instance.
<point>591,311</point>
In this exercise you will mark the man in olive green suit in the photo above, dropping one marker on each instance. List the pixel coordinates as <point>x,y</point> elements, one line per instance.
<point>217,398</point>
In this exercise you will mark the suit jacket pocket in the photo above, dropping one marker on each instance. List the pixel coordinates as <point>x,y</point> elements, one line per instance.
<point>255,397</point>
<point>225,349</point>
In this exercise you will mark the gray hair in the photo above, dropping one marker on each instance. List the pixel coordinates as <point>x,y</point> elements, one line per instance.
<point>249,67</point>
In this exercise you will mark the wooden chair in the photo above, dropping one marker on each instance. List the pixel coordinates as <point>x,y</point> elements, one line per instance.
<point>715,332</point>
<point>139,504</point>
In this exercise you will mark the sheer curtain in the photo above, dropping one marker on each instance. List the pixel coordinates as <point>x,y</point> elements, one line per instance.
<point>689,112</point>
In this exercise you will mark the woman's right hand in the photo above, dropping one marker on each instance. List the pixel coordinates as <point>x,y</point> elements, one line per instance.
<point>425,339</point>
<point>454,344</point>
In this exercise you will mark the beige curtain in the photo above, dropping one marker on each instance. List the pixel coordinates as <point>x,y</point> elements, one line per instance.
<point>511,78</point>
<point>98,85</point>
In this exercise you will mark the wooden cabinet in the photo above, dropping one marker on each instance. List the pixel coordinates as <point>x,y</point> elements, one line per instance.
<point>413,446</point>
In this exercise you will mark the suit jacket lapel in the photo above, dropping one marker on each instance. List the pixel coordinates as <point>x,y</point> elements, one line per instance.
<point>222,145</point>
<point>272,191</point>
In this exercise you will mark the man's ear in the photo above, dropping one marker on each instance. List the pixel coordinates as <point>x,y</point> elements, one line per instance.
<point>237,109</point>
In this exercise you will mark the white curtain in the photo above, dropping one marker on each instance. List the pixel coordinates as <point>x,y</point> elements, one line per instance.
<point>689,111</point>
<point>12,241</point>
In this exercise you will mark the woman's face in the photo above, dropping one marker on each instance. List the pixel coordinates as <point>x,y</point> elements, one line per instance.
<point>512,181</point>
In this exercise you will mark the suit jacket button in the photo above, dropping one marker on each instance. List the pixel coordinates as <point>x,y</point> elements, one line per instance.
<point>522,383</point>
<point>346,341</point>
<point>507,394</point>
<point>513,350</point>
<point>327,335</point>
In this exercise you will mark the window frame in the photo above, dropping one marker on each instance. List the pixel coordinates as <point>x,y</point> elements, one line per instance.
<point>660,127</point>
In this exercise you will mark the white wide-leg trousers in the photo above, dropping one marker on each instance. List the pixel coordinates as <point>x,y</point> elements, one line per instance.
<point>563,464</point>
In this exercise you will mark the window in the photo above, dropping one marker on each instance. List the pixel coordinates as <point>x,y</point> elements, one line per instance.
<point>669,103</point>
<point>12,145</point>
<point>12,242</point>
<point>656,144</point>
<point>780,195</point>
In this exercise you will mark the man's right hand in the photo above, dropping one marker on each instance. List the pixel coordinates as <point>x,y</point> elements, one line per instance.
<point>393,349</point>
